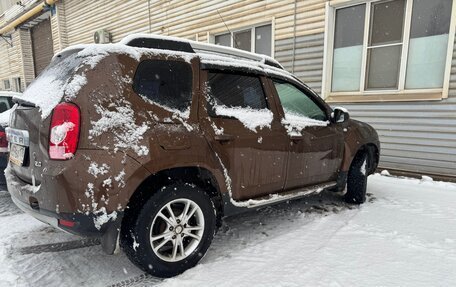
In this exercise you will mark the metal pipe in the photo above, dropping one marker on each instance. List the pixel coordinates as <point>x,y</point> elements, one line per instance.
<point>22,19</point>
<point>294,37</point>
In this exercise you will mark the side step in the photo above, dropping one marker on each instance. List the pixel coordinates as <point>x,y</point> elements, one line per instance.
<point>288,195</point>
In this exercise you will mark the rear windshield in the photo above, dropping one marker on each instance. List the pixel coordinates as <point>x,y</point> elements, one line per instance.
<point>47,90</point>
<point>167,83</point>
<point>6,103</point>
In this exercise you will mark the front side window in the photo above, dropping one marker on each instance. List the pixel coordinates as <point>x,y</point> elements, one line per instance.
<point>235,91</point>
<point>390,45</point>
<point>167,83</point>
<point>257,39</point>
<point>297,103</point>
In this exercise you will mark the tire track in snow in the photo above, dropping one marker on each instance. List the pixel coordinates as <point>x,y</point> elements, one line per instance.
<point>7,207</point>
<point>58,247</point>
<point>140,280</point>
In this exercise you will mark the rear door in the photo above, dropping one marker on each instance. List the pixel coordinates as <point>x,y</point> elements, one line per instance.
<point>316,145</point>
<point>242,126</point>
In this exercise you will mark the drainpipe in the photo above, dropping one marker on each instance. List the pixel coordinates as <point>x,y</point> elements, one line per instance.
<point>294,37</point>
<point>22,19</point>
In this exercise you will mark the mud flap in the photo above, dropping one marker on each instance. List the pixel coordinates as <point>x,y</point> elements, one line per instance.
<point>110,240</point>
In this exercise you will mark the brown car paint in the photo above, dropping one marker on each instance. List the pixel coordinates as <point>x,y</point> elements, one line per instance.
<point>278,164</point>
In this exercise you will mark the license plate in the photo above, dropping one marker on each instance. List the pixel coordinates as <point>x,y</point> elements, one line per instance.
<point>17,154</point>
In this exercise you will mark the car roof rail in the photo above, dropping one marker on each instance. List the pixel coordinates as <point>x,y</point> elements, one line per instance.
<point>154,41</point>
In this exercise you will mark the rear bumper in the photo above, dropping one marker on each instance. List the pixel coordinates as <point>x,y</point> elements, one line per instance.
<point>84,224</point>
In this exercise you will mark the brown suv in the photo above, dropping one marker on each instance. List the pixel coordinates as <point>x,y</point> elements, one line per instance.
<point>150,142</point>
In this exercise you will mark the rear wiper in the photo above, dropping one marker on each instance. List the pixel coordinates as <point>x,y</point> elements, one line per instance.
<point>23,102</point>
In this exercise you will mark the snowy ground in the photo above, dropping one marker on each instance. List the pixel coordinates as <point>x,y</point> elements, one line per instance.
<point>405,235</point>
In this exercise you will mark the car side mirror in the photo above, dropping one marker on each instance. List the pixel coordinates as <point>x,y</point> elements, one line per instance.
<point>340,115</point>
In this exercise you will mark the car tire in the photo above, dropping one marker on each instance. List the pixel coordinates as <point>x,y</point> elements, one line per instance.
<point>357,179</point>
<point>187,237</point>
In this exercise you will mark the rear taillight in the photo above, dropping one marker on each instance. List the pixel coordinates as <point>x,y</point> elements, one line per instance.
<point>64,133</point>
<point>3,141</point>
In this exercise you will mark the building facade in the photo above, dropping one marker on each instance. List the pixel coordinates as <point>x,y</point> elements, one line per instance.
<point>392,63</point>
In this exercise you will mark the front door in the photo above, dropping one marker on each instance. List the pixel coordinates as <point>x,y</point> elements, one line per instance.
<point>241,125</point>
<point>316,145</point>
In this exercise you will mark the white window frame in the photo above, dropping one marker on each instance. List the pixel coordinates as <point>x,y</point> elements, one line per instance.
<point>252,35</point>
<point>363,95</point>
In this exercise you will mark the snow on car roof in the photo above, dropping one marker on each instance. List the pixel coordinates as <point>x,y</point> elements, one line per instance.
<point>210,54</point>
<point>9,94</point>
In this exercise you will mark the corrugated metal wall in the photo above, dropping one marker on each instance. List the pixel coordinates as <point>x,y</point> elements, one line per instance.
<point>10,58</point>
<point>188,18</point>
<point>308,63</point>
<point>415,136</point>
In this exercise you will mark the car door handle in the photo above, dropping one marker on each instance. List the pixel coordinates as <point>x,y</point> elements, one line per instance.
<point>224,138</point>
<point>296,137</point>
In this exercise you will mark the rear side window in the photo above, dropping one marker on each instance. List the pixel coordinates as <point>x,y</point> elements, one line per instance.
<point>235,91</point>
<point>167,83</point>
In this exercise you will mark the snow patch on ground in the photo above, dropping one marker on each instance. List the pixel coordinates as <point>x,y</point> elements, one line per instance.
<point>404,235</point>
<point>385,172</point>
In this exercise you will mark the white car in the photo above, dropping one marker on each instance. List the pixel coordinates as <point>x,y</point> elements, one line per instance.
<point>6,103</point>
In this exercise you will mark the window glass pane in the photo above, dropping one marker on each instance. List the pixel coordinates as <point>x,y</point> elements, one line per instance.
<point>224,40</point>
<point>430,18</point>
<point>167,83</point>
<point>387,20</point>
<point>349,26</point>
<point>296,103</point>
<point>4,104</point>
<point>233,90</point>
<point>243,40</point>
<point>383,67</point>
<point>428,44</point>
<point>6,84</point>
<point>348,48</point>
<point>263,37</point>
